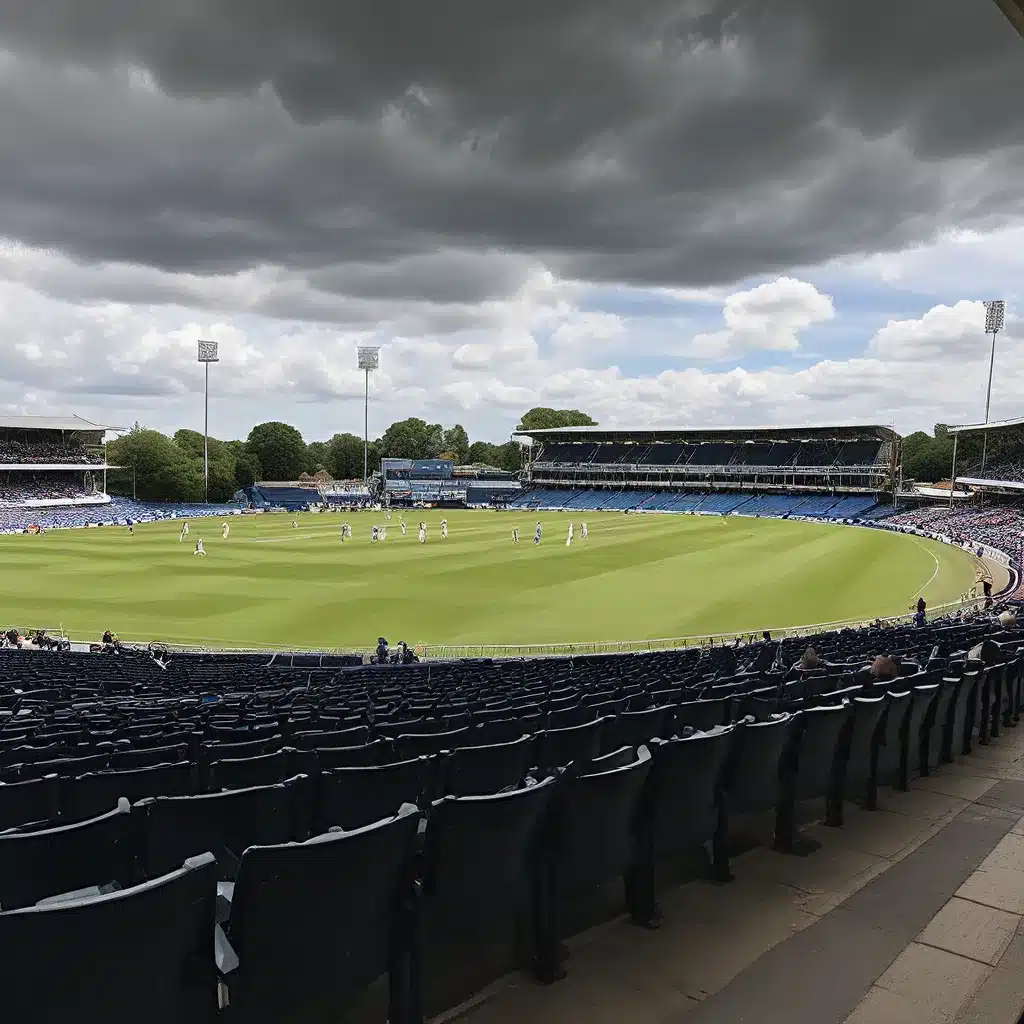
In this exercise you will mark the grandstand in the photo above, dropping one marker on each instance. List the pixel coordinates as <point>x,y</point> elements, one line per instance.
<point>304,494</point>
<point>440,482</point>
<point>835,472</point>
<point>998,469</point>
<point>51,461</point>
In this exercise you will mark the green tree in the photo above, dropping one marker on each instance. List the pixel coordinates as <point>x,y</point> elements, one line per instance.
<point>247,469</point>
<point>483,452</point>
<point>412,439</point>
<point>542,418</point>
<point>456,441</point>
<point>163,471</point>
<point>317,456</point>
<point>345,457</point>
<point>510,456</point>
<point>279,448</point>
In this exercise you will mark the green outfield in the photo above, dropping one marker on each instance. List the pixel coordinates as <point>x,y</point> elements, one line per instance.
<point>635,577</point>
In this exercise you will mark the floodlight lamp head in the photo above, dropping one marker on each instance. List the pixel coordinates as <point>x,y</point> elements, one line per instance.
<point>208,352</point>
<point>995,316</point>
<point>368,357</point>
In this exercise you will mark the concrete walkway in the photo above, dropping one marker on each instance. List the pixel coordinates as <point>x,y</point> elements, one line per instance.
<point>911,913</point>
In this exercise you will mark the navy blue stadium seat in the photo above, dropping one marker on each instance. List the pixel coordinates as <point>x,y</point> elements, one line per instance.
<point>355,797</point>
<point>314,923</point>
<point>171,829</point>
<point>142,953</point>
<point>54,861</point>
<point>474,771</point>
<point>89,795</point>
<point>591,835</point>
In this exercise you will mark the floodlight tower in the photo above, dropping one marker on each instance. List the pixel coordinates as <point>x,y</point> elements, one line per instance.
<point>207,355</point>
<point>368,357</point>
<point>995,318</point>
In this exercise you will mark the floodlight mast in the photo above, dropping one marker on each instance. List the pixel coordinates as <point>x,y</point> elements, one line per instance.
<point>207,354</point>
<point>368,358</point>
<point>995,318</point>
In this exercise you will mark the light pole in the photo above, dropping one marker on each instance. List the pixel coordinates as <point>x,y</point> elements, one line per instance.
<point>995,317</point>
<point>207,355</point>
<point>368,358</point>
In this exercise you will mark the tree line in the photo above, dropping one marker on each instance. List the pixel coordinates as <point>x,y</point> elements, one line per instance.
<point>928,458</point>
<point>155,467</point>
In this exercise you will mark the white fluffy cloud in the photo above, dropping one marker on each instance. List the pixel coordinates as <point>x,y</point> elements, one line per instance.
<point>119,361</point>
<point>769,317</point>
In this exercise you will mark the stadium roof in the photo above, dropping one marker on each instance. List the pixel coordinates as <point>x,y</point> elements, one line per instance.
<point>846,433</point>
<point>50,423</point>
<point>1014,10</point>
<point>967,428</point>
<point>1007,485</point>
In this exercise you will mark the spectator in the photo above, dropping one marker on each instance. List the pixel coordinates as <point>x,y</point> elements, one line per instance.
<point>885,668</point>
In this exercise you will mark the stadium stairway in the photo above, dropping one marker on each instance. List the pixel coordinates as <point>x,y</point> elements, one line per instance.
<point>343,823</point>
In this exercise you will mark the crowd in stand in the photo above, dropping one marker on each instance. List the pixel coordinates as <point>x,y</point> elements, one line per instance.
<point>53,486</point>
<point>1000,527</point>
<point>1009,469</point>
<point>41,452</point>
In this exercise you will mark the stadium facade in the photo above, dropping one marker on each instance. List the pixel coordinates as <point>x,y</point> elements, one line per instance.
<point>827,460</point>
<point>52,461</point>
<point>442,482</point>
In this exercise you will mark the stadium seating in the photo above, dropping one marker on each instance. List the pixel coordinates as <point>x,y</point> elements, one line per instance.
<point>116,512</point>
<point>143,952</point>
<point>525,784</point>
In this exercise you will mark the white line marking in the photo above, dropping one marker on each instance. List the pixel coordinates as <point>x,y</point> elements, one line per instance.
<point>935,557</point>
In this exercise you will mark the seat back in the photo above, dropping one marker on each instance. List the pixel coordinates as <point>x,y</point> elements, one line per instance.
<point>145,757</point>
<point>821,745</point>
<point>409,745</point>
<point>865,735</point>
<point>378,752</point>
<point>314,923</point>
<point>173,828</point>
<point>635,728</point>
<point>474,771</point>
<point>756,761</point>
<point>684,787</point>
<point>24,802</point>
<point>577,745</point>
<point>331,738</point>
<point>593,819</point>
<point>142,953</point>
<point>245,772</point>
<point>355,797</point>
<point>53,861</point>
<point>90,795</point>
<point>703,714</point>
<point>478,855</point>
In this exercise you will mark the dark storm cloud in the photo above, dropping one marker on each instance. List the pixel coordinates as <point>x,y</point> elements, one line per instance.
<point>361,145</point>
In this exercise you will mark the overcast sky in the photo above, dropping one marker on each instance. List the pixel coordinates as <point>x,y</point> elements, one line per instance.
<point>659,211</point>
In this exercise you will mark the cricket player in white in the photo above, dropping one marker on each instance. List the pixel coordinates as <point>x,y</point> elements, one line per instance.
<point>388,517</point>
<point>184,532</point>
<point>515,534</point>
<point>383,533</point>
<point>536,535</point>
<point>583,530</point>
<point>568,539</point>
<point>200,550</point>
<point>444,527</point>
<point>423,533</point>
<point>295,524</point>
<point>403,527</point>
<point>225,530</point>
